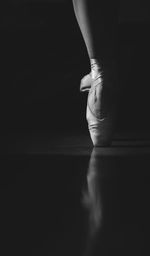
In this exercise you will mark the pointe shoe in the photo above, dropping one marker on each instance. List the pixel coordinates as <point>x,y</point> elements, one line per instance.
<point>85,84</point>
<point>100,112</point>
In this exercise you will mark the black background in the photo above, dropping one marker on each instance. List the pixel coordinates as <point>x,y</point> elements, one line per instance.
<point>43,58</point>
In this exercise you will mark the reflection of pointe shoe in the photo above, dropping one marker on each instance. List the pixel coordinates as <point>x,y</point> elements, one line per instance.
<point>100,112</point>
<point>91,199</point>
<point>85,84</point>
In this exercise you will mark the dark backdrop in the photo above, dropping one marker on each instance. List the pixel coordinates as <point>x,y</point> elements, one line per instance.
<point>43,58</point>
<point>129,9</point>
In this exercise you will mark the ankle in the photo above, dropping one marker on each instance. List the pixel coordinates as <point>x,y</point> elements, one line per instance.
<point>95,68</point>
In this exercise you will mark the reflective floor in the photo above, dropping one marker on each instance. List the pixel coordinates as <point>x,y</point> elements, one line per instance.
<point>70,199</point>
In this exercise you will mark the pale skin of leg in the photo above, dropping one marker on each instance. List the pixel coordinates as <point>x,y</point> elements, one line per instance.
<point>97,20</point>
<point>81,12</point>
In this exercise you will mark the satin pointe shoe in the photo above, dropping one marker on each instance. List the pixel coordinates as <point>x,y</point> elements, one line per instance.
<point>100,111</point>
<point>85,84</point>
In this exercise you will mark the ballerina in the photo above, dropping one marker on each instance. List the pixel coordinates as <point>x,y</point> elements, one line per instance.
<point>98,22</point>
